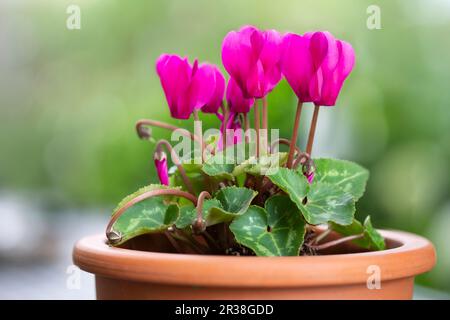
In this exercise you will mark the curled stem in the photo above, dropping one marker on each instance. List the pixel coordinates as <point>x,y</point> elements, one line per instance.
<point>285,142</point>
<point>294,134</point>
<point>199,224</point>
<point>144,133</point>
<point>164,143</point>
<point>114,237</point>
<point>302,158</point>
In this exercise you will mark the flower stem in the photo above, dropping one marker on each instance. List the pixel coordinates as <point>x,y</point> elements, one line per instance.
<point>294,134</point>
<point>198,132</point>
<point>265,123</point>
<point>257,121</point>
<point>246,127</point>
<point>312,129</point>
<point>333,243</point>
<point>144,133</point>
<point>226,115</point>
<point>176,161</point>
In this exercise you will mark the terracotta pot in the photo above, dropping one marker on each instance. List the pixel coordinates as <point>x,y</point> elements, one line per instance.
<point>124,273</point>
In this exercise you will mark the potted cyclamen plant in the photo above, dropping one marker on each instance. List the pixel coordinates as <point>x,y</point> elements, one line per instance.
<point>236,217</point>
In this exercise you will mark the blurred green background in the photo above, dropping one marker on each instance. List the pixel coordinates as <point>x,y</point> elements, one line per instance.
<point>69,99</point>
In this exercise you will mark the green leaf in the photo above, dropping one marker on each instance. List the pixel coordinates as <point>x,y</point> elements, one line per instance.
<point>326,202</point>
<point>264,165</point>
<point>228,203</point>
<point>147,216</point>
<point>319,202</point>
<point>186,216</point>
<point>294,184</point>
<point>142,190</point>
<point>347,175</point>
<point>234,201</point>
<point>277,230</point>
<point>188,213</point>
<point>376,239</point>
<point>372,238</point>
<point>220,166</point>
<point>194,173</point>
<point>349,230</point>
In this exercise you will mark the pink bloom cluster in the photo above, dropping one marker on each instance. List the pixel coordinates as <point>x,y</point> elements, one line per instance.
<point>314,64</point>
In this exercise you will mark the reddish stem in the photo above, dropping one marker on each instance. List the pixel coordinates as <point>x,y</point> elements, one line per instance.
<point>312,129</point>
<point>177,162</point>
<point>246,127</point>
<point>265,122</point>
<point>145,134</point>
<point>335,242</point>
<point>199,224</point>
<point>199,133</point>
<point>146,195</point>
<point>257,120</point>
<point>294,134</point>
<point>285,142</point>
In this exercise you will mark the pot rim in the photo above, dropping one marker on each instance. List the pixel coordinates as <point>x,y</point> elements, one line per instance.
<point>414,256</point>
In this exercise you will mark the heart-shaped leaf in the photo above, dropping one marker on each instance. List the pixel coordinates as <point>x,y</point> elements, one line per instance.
<point>147,216</point>
<point>375,238</point>
<point>294,184</point>
<point>142,190</point>
<point>325,202</point>
<point>227,204</point>
<point>277,230</point>
<point>319,202</point>
<point>188,213</point>
<point>347,175</point>
<point>372,239</point>
<point>234,201</point>
<point>186,217</point>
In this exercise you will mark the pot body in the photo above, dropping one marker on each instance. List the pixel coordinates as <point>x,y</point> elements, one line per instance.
<point>117,289</point>
<point>123,273</point>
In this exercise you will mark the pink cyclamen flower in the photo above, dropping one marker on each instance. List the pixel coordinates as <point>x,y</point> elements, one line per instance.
<point>252,58</point>
<point>160,160</point>
<point>189,87</point>
<point>236,100</point>
<point>316,65</point>
<point>297,65</point>
<point>330,80</point>
<point>212,88</point>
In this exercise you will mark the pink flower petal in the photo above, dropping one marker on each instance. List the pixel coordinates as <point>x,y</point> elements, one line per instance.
<point>175,76</point>
<point>236,100</point>
<point>252,58</point>
<point>296,64</point>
